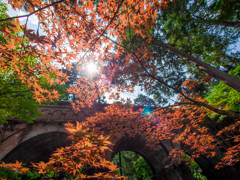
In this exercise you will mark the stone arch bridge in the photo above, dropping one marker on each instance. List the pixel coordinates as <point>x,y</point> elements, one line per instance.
<point>35,142</point>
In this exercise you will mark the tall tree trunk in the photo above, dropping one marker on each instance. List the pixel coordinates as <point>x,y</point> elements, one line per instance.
<point>214,72</point>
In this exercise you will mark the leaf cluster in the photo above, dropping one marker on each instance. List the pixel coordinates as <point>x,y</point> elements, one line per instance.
<point>84,158</point>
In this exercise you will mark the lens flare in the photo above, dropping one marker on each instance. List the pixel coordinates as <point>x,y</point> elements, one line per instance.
<point>147,112</point>
<point>92,68</point>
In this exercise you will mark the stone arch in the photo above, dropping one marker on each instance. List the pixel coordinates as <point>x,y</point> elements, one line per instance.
<point>156,159</point>
<point>25,134</point>
<point>37,148</point>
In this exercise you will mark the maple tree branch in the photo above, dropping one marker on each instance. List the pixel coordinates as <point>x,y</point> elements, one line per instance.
<point>219,111</point>
<point>26,23</point>
<point>104,31</point>
<point>223,142</point>
<point>24,33</point>
<point>174,105</point>
<point>27,15</point>
<point>148,74</point>
<point>227,139</point>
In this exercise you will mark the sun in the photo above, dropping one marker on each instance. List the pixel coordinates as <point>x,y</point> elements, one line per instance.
<point>92,68</point>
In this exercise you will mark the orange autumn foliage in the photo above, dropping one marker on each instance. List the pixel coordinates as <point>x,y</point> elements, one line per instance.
<point>84,158</point>
<point>79,32</point>
<point>17,167</point>
<point>73,31</point>
<point>181,125</point>
<point>232,155</point>
<point>184,126</point>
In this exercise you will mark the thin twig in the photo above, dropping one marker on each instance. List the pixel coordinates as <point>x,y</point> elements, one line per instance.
<point>173,105</point>
<point>222,141</point>
<point>219,111</point>
<point>102,32</point>
<point>27,15</point>
<point>24,34</point>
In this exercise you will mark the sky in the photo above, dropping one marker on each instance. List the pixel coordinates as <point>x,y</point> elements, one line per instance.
<point>33,24</point>
<point>32,21</point>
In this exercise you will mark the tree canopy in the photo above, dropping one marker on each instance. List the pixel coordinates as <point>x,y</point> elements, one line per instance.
<point>178,50</point>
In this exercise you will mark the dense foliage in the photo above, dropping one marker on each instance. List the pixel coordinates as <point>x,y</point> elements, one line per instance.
<point>183,50</point>
<point>209,31</point>
<point>133,165</point>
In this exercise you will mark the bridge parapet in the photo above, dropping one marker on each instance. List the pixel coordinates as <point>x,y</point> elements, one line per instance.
<point>60,113</point>
<point>32,142</point>
<point>51,119</point>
